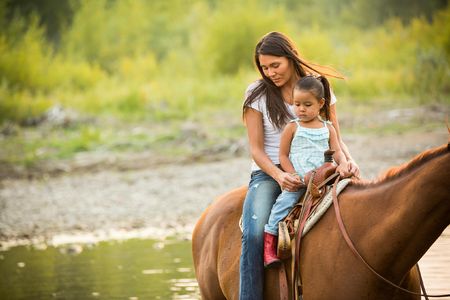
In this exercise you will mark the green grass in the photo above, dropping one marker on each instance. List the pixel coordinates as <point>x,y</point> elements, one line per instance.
<point>31,146</point>
<point>202,137</point>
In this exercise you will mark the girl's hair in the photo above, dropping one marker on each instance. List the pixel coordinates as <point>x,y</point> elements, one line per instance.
<point>277,44</point>
<point>320,88</point>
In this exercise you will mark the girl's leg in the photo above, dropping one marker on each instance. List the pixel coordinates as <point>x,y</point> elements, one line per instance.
<point>283,205</point>
<point>262,192</point>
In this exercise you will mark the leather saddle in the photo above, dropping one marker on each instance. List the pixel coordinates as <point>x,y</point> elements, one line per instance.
<point>317,181</point>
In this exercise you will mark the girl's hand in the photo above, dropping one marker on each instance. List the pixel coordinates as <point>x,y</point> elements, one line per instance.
<point>289,182</point>
<point>353,168</point>
<point>344,170</point>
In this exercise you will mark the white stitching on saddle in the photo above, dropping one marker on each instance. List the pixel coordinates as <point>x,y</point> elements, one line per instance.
<point>323,206</point>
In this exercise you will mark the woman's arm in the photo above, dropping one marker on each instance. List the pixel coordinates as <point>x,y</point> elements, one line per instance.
<point>254,123</point>
<point>285,148</point>
<point>343,166</point>
<point>353,167</point>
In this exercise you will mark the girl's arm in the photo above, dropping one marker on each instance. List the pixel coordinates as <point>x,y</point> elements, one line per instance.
<point>254,123</point>
<point>339,156</point>
<point>353,166</point>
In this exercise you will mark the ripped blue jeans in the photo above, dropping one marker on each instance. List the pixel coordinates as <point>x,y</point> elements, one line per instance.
<point>263,190</point>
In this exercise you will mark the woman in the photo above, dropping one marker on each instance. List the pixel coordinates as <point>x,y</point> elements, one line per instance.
<point>267,108</point>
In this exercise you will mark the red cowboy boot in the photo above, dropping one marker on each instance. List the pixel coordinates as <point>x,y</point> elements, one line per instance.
<point>270,250</point>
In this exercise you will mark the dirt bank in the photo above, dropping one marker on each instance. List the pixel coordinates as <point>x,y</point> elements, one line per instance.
<point>159,199</point>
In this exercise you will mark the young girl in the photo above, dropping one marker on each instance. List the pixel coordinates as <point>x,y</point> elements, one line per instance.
<point>303,143</point>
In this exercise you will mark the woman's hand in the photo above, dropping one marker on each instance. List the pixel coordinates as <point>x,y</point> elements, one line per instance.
<point>289,182</point>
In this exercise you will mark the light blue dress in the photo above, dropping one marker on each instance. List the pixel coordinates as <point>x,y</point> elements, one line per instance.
<point>306,154</point>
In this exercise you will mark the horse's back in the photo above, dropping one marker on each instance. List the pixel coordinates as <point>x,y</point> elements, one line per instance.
<point>216,235</point>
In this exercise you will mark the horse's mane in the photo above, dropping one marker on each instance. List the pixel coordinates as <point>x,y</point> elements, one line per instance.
<point>407,167</point>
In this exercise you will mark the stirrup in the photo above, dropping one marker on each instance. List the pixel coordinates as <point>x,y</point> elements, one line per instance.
<point>284,241</point>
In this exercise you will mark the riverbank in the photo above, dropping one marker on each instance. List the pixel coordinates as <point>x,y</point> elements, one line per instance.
<point>167,199</point>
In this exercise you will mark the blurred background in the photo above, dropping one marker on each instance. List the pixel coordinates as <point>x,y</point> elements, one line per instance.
<point>94,69</point>
<point>121,119</point>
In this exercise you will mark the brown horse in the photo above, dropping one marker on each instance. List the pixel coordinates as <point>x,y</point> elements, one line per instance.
<point>392,221</point>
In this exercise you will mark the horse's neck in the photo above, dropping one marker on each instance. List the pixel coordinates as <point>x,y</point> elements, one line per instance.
<point>411,211</point>
<point>423,196</point>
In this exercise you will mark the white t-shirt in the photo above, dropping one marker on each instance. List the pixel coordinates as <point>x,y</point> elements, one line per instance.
<point>272,134</point>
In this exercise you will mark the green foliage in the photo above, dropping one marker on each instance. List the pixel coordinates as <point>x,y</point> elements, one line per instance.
<point>25,56</point>
<point>361,13</point>
<point>21,106</point>
<point>232,33</point>
<point>372,13</point>
<point>106,31</point>
<point>54,15</point>
<point>99,34</point>
<point>432,57</point>
<point>137,69</point>
<point>159,60</point>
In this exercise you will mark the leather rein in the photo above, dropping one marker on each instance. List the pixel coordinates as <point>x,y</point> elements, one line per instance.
<point>358,255</point>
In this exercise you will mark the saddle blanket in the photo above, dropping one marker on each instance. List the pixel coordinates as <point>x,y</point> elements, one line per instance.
<point>323,206</point>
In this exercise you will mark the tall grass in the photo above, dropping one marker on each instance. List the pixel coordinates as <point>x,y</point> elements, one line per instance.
<point>129,59</point>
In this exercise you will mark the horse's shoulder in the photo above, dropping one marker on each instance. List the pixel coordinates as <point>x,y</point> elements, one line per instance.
<point>233,196</point>
<point>223,206</point>
<point>230,201</point>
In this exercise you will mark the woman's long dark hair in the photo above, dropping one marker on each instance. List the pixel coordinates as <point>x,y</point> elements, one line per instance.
<point>277,44</point>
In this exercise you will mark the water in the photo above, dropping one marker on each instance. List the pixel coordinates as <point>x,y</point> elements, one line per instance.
<point>133,269</point>
<point>138,269</point>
